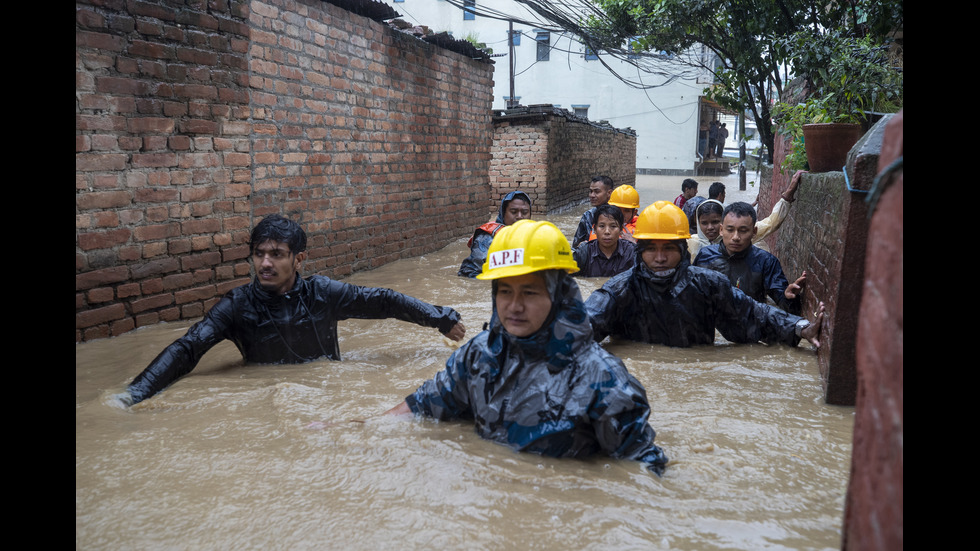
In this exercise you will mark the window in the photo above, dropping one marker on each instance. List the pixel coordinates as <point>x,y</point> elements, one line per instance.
<point>634,50</point>
<point>581,110</point>
<point>515,37</point>
<point>469,10</point>
<point>543,39</point>
<point>589,54</point>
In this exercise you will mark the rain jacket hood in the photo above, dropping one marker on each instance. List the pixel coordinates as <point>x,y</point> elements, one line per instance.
<point>700,240</point>
<point>555,393</point>
<point>479,244</point>
<point>507,199</point>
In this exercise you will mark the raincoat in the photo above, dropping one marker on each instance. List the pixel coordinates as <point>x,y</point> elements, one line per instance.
<point>479,244</point>
<point>585,225</point>
<point>298,326</point>
<point>684,309</point>
<point>593,263</point>
<point>554,393</point>
<point>754,271</point>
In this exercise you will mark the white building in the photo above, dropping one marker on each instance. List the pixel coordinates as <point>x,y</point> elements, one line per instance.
<point>553,67</point>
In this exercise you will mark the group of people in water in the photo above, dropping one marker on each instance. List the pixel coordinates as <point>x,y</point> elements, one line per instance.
<point>536,378</point>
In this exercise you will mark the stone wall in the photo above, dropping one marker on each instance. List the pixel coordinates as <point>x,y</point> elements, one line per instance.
<point>195,120</point>
<point>553,155</point>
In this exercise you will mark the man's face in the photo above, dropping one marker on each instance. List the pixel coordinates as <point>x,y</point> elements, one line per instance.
<point>737,232</point>
<point>607,231</point>
<point>275,266</point>
<point>628,214</point>
<point>661,255</point>
<point>516,209</point>
<point>710,225</point>
<point>690,192</point>
<point>598,193</point>
<point>523,303</point>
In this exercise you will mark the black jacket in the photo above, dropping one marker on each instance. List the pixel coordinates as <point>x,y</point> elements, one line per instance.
<point>296,327</point>
<point>756,272</point>
<point>685,311</point>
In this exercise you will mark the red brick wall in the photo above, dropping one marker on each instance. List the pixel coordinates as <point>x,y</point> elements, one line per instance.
<point>825,234</point>
<point>194,121</point>
<point>874,519</point>
<point>553,157</point>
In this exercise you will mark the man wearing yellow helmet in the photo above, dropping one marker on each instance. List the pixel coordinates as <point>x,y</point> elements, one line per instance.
<point>536,380</point>
<point>665,300</point>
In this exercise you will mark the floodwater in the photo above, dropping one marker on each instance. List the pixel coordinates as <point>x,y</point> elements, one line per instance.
<point>265,457</point>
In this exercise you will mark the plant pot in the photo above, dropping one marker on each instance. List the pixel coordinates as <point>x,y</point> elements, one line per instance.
<point>827,144</point>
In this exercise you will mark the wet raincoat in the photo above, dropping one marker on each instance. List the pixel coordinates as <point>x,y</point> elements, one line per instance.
<point>296,327</point>
<point>585,225</point>
<point>479,244</point>
<point>555,393</point>
<point>684,309</point>
<point>754,271</point>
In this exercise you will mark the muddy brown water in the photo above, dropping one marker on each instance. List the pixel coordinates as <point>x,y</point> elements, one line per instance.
<point>238,457</point>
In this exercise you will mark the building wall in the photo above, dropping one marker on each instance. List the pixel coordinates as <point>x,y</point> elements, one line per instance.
<point>195,121</point>
<point>553,157</point>
<point>664,116</point>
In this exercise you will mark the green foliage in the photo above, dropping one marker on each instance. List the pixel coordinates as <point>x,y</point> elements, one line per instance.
<point>474,40</point>
<point>847,77</point>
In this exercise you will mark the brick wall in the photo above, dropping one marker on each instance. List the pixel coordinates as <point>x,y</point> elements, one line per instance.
<point>825,234</point>
<point>552,156</point>
<point>874,518</point>
<point>194,121</point>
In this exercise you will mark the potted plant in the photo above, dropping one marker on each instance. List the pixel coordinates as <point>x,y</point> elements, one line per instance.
<point>846,79</point>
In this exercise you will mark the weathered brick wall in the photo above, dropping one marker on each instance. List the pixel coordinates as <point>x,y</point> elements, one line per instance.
<point>825,234</point>
<point>874,519</point>
<point>553,158</point>
<point>195,120</point>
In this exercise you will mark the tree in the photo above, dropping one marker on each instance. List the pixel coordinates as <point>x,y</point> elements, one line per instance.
<point>748,38</point>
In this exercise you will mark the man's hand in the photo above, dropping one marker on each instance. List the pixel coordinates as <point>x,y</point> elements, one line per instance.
<point>790,194</point>
<point>812,332</point>
<point>794,289</point>
<point>457,332</point>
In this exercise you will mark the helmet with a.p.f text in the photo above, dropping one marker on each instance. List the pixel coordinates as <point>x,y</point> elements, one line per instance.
<point>527,246</point>
<point>662,220</point>
<point>625,196</point>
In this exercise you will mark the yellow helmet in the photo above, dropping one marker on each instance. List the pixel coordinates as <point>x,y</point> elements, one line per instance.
<point>625,196</point>
<point>662,220</point>
<point>527,246</point>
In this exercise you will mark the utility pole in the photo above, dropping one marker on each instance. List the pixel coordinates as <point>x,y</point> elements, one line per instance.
<point>511,103</point>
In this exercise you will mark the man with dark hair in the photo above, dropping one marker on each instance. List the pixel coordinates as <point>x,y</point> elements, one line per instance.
<point>716,191</point>
<point>608,254</point>
<point>689,188</point>
<point>281,317</point>
<point>756,272</point>
<point>600,190</point>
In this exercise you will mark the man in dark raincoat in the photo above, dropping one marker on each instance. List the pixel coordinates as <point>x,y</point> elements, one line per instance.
<point>281,317</point>
<point>756,272</point>
<point>536,381</point>
<point>600,190</point>
<point>515,206</point>
<point>665,300</point>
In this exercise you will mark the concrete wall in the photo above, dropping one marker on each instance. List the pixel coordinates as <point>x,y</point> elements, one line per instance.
<point>553,156</point>
<point>194,121</point>
<point>664,116</point>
